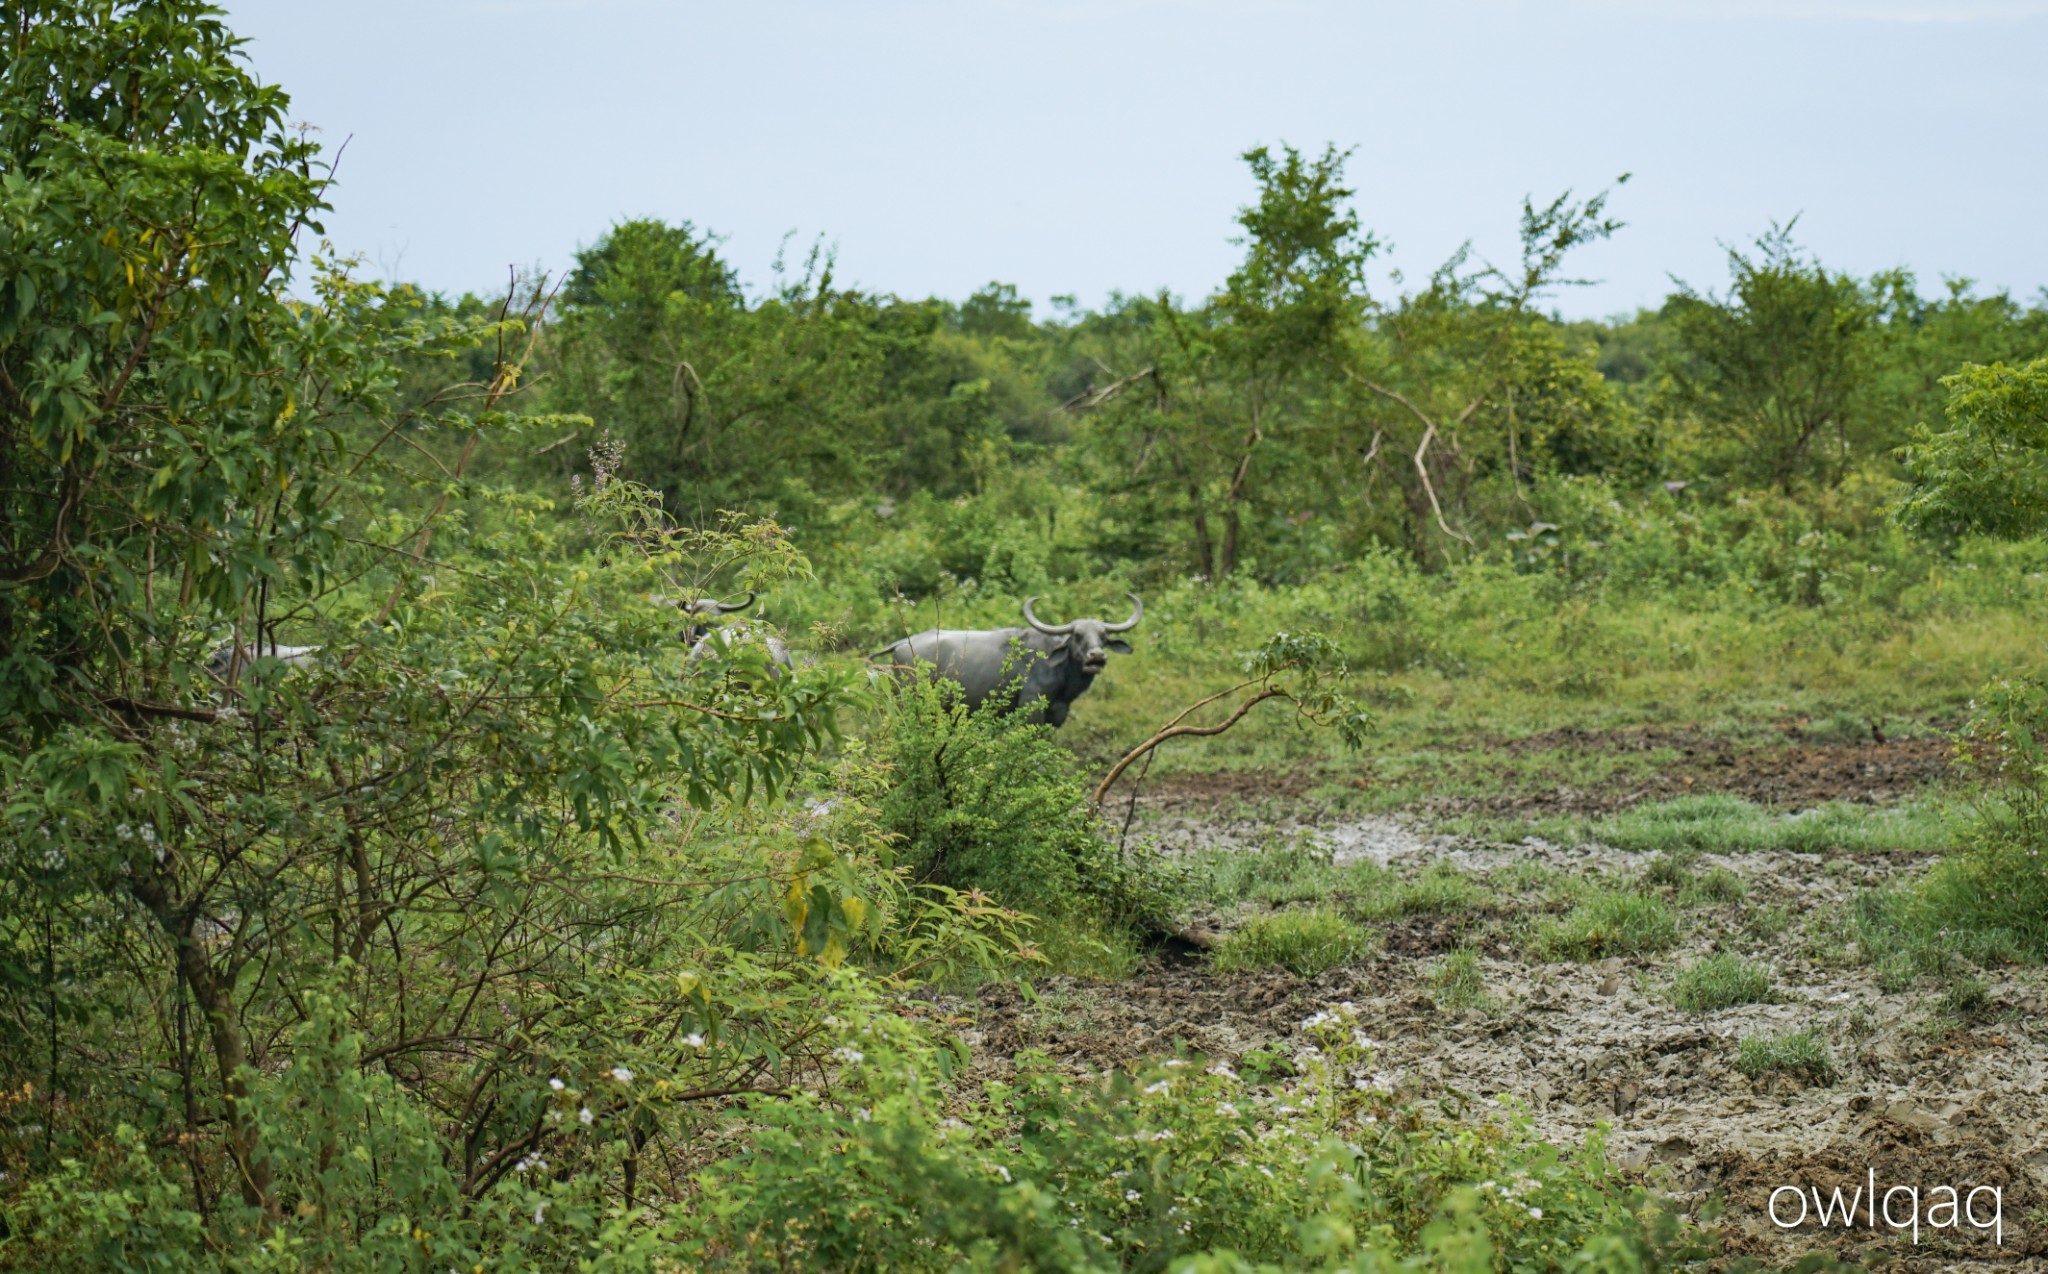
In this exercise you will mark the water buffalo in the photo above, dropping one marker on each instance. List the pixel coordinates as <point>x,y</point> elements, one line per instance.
<point>704,610</point>
<point>222,659</point>
<point>1041,669</point>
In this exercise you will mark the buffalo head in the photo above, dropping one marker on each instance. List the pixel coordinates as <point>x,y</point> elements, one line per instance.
<point>703,611</point>
<point>1090,640</point>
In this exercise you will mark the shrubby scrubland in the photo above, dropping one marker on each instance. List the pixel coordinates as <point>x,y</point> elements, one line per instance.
<point>504,936</point>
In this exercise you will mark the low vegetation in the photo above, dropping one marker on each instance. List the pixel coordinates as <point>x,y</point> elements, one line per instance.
<point>1721,982</point>
<point>1304,942</point>
<point>1608,922</point>
<point>1457,981</point>
<point>1803,1054</point>
<point>494,932</point>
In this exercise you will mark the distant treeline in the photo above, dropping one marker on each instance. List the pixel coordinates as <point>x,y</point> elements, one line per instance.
<point>1284,423</point>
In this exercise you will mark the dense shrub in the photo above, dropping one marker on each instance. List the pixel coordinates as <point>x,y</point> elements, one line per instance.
<point>982,799</point>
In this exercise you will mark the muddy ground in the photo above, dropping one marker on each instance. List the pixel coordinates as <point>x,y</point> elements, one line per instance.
<point>1926,1096</point>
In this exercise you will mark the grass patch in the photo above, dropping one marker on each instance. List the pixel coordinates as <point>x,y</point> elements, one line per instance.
<point>1299,869</point>
<point>1802,1053</point>
<point>1766,923</point>
<point>1671,869</point>
<point>1967,996</point>
<point>1721,982</point>
<point>1456,981</point>
<point>1380,894</point>
<point>1728,824</point>
<point>1610,922</point>
<point>1711,890</point>
<point>1988,906</point>
<point>1304,943</point>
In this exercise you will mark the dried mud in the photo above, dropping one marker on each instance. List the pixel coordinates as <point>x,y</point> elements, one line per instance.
<point>1923,1098</point>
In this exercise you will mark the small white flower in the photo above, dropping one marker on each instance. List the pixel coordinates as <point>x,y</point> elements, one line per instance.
<point>1537,1213</point>
<point>1155,1090</point>
<point>1226,1108</point>
<point>1004,1173</point>
<point>540,1212</point>
<point>1132,1196</point>
<point>621,1074</point>
<point>557,1085</point>
<point>584,1117</point>
<point>693,1040</point>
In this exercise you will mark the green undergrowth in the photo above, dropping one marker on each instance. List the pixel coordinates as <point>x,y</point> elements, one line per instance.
<point>1988,904</point>
<point>978,800</point>
<point>1181,1166</point>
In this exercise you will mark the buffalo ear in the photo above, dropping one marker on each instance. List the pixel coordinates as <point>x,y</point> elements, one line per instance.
<point>1119,645</point>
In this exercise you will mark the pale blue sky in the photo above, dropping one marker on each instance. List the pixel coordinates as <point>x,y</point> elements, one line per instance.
<point>1084,147</point>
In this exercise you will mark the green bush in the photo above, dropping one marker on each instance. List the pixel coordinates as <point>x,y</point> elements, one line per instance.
<point>1302,942</point>
<point>1176,1167</point>
<point>1720,982</point>
<point>1610,922</point>
<point>985,800</point>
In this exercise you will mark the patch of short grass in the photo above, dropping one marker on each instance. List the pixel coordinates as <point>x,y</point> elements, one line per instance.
<point>1802,1053</point>
<point>1608,922</point>
<point>1457,982</point>
<point>1766,923</point>
<point>1296,869</point>
<point>1712,889</point>
<point>1377,893</point>
<point>1304,942</point>
<point>1721,982</point>
<point>1671,869</point>
<point>1720,823</point>
<point>1966,996</point>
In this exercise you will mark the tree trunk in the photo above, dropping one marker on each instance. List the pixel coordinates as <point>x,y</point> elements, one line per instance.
<point>1205,550</point>
<point>1234,497</point>
<point>212,994</point>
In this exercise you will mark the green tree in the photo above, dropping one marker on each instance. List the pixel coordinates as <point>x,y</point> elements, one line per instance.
<point>1229,379</point>
<point>1776,369</point>
<point>290,954</point>
<point>1988,471</point>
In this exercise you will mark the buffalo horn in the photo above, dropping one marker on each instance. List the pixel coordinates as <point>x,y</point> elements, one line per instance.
<point>1137,613</point>
<point>1050,629</point>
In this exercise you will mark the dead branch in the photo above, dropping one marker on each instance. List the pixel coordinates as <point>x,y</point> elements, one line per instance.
<point>1181,731</point>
